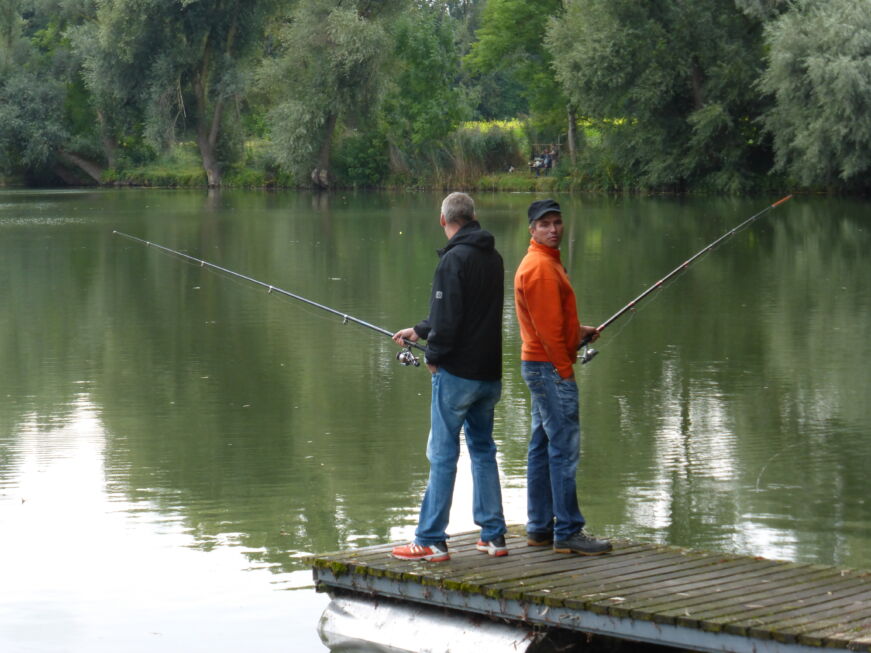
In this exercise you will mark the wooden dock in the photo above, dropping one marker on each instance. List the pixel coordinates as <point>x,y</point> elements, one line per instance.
<point>642,592</point>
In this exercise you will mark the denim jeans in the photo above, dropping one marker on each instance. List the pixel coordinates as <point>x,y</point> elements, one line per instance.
<point>554,452</point>
<point>466,403</point>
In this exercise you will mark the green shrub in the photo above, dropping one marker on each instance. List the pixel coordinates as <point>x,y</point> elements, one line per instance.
<point>361,160</point>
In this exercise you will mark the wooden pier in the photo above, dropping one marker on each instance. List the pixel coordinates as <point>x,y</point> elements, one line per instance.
<point>642,592</point>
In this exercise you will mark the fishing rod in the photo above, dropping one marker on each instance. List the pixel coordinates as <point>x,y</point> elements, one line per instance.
<point>405,356</point>
<point>590,353</point>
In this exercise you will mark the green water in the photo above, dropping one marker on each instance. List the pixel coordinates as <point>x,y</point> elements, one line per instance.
<point>172,441</point>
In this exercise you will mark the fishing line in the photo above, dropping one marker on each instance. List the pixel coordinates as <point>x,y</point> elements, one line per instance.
<point>769,461</point>
<point>590,353</point>
<point>405,356</point>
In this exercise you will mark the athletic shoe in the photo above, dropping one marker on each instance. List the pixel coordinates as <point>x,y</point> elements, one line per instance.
<point>539,539</point>
<point>582,544</point>
<point>495,547</point>
<point>432,553</point>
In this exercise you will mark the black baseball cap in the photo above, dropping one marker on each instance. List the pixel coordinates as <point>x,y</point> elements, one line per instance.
<point>540,208</point>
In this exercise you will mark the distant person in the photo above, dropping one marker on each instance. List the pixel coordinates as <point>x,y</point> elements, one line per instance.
<point>464,355</point>
<point>549,160</point>
<point>551,332</point>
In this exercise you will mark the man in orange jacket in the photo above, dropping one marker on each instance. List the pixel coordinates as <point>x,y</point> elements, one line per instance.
<point>551,332</point>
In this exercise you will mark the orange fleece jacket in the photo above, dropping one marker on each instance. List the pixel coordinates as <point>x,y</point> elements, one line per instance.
<point>546,309</point>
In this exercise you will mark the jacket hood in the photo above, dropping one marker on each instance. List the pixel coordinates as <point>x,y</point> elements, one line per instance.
<point>471,234</point>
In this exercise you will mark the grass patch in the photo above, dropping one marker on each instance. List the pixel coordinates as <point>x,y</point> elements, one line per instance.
<point>518,181</point>
<point>181,167</point>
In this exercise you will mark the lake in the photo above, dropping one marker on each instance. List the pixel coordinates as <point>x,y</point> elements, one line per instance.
<point>173,441</point>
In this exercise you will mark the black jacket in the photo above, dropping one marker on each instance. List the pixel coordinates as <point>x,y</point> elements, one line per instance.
<point>464,327</point>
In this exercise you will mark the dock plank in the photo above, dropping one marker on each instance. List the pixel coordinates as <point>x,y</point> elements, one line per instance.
<point>736,606</point>
<point>815,610</point>
<point>687,583</point>
<point>723,593</point>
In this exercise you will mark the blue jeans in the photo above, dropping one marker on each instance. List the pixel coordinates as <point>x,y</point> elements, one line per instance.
<point>456,403</point>
<point>554,452</point>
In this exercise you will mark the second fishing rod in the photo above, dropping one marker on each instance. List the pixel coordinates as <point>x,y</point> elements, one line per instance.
<point>589,353</point>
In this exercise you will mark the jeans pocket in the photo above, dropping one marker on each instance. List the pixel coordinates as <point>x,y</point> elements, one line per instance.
<point>567,392</point>
<point>529,373</point>
<point>554,372</point>
<point>536,380</point>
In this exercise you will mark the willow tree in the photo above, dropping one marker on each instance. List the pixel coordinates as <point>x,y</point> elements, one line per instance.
<point>819,74</point>
<point>328,70</point>
<point>182,64</point>
<point>670,85</point>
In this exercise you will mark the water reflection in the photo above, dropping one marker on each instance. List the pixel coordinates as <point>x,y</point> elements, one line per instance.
<point>181,440</point>
<point>85,568</point>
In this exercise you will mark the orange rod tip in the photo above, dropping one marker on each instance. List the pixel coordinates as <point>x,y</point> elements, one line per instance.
<point>781,201</point>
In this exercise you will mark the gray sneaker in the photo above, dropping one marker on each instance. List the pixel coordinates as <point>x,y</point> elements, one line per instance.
<point>583,544</point>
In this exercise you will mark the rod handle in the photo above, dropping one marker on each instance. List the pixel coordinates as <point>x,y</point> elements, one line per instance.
<point>588,339</point>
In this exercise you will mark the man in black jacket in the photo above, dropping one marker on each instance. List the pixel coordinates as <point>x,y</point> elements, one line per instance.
<point>464,355</point>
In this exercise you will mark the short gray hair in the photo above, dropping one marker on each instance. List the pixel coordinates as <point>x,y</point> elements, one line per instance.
<point>458,207</point>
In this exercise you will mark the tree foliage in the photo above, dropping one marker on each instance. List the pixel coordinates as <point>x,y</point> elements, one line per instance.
<point>33,126</point>
<point>762,9</point>
<point>819,73</point>
<point>676,95</point>
<point>329,71</point>
<point>181,61</point>
<point>511,41</point>
<point>671,85</point>
<point>424,102</point>
<point>31,129</point>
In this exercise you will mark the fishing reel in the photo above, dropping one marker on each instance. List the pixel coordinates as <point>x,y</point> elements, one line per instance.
<point>588,355</point>
<point>405,357</point>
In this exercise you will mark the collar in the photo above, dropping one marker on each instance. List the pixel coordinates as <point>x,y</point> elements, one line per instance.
<point>470,226</point>
<point>535,246</point>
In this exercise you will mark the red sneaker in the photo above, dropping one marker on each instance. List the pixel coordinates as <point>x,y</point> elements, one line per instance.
<point>432,553</point>
<point>495,547</point>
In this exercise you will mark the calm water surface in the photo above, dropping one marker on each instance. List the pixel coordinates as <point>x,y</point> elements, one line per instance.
<point>173,441</point>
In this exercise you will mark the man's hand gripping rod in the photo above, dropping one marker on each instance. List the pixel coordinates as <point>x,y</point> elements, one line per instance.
<point>590,353</point>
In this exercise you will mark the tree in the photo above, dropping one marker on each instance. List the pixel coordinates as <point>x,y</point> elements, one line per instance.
<point>670,85</point>
<point>819,73</point>
<point>425,101</point>
<point>511,42</point>
<point>511,39</point>
<point>178,62</point>
<point>328,70</point>
<point>33,128</point>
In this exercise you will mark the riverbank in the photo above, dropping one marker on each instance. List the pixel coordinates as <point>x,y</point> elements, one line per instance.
<point>465,163</point>
<point>187,176</point>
